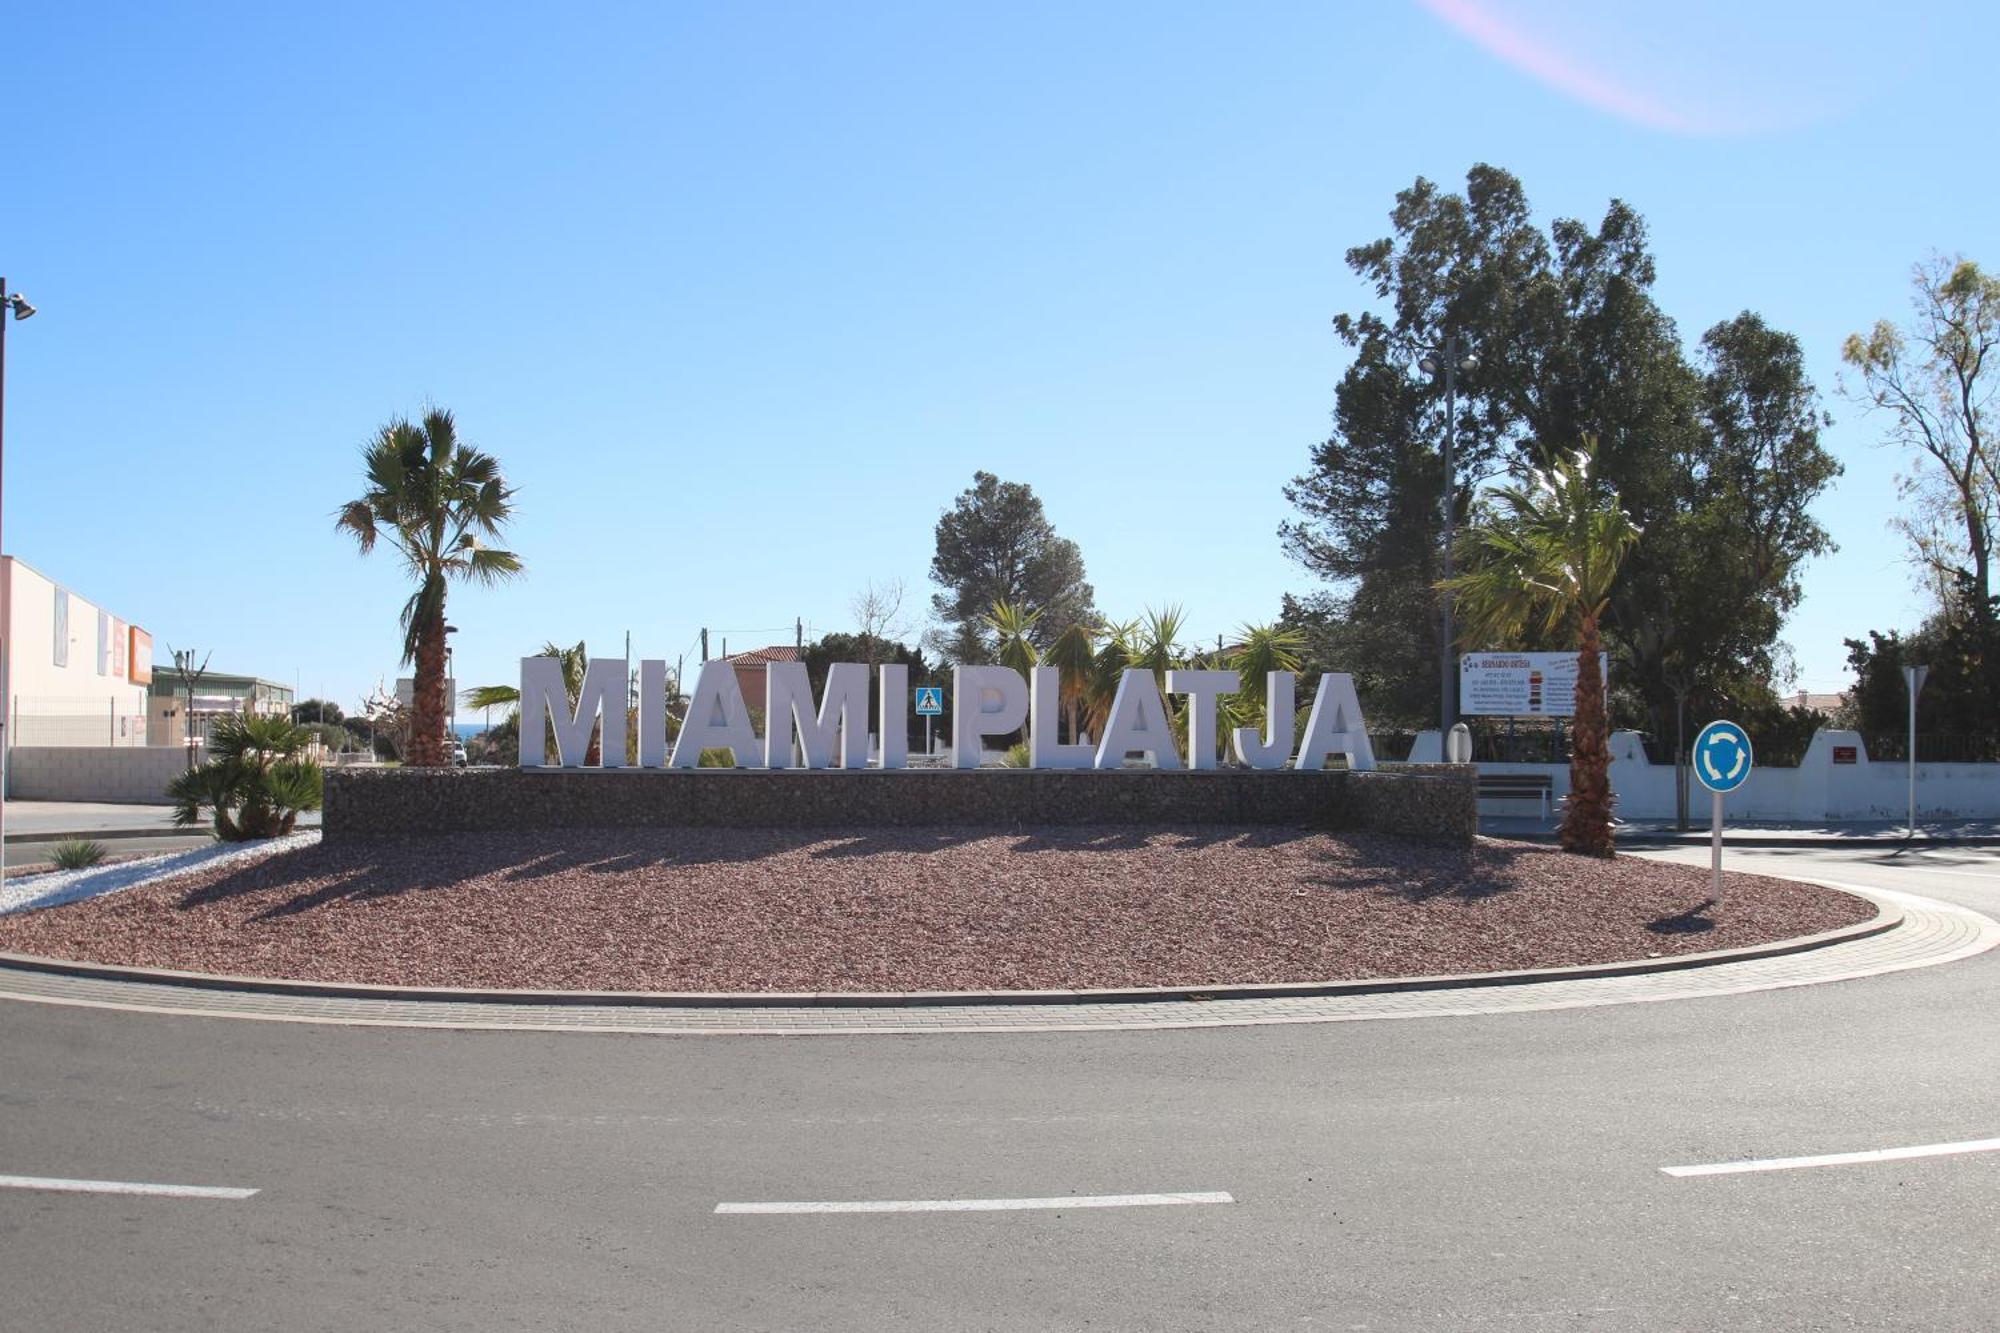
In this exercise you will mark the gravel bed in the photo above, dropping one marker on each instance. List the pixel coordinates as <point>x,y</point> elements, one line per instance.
<point>913,909</point>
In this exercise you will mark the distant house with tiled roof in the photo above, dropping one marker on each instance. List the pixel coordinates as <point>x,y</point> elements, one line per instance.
<point>751,667</point>
<point>1827,704</point>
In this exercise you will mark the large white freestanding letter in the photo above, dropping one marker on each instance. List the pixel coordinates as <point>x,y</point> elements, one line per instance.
<point>652,712</point>
<point>986,701</point>
<point>1202,689</point>
<point>1138,722</point>
<point>544,698</point>
<point>1044,716</point>
<point>716,720</point>
<point>895,743</point>
<point>1336,726</point>
<point>788,708</point>
<point>1280,713</point>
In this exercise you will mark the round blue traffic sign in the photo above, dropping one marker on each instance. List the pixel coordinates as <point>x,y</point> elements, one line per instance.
<point>1722,759</point>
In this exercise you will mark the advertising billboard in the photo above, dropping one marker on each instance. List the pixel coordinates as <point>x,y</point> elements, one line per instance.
<point>1518,684</point>
<point>142,657</point>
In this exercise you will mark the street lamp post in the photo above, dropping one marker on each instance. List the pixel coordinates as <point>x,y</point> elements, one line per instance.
<point>16,305</point>
<point>1448,361</point>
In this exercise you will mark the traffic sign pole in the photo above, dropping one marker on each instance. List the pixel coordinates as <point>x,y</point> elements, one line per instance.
<point>1715,849</point>
<point>1722,763</point>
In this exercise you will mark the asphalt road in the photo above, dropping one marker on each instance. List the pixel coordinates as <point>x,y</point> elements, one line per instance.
<point>1499,1172</point>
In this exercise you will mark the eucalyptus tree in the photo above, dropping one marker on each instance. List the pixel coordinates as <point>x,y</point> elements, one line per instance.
<point>1936,382</point>
<point>1570,341</point>
<point>439,503</point>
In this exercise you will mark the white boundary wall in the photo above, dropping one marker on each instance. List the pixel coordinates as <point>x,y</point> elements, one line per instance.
<point>136,774</point>
<point>1818,789</point>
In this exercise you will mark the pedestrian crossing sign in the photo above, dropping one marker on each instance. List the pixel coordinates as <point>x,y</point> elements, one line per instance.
<point>930,700</point>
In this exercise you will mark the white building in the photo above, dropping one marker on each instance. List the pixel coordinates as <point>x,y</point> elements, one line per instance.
<point>71,673</point>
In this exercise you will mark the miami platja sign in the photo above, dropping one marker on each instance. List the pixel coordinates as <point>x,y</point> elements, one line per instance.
<point>832,731</point>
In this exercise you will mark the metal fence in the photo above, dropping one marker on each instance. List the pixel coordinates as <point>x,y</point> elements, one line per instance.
<point>1933,747</point>
<point>75,726</point>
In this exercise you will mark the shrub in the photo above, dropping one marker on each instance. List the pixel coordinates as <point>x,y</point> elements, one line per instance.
<point>78,853</point>
<point>1017,756</point>
<point>716,759</point>
<point>255,783</point>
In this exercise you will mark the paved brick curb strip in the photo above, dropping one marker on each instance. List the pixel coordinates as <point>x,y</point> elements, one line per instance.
<point>1886,918</point>
<point>1927,933</point>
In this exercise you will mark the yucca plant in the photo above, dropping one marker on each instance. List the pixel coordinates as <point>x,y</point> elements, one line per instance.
<point>254,783</point>
<point>1013,624</point>
<point>77,853</point>
<point>1074,654</point>
<point>1118,651</point>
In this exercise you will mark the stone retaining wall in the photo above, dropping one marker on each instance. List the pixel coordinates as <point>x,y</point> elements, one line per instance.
<point>1431,802</point>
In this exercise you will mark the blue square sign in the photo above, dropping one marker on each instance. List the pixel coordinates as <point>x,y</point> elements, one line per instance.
<point>930,701</point>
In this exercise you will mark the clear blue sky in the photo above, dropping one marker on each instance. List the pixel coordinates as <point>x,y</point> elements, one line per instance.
<point>741,295</point>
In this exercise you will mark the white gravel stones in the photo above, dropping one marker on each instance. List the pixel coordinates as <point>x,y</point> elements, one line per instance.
<point>57,887</point>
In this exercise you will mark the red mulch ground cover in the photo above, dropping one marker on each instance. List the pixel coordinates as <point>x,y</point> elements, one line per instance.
<point>915,909</point>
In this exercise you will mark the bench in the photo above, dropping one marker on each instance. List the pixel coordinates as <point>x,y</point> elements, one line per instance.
<point>1518,787</point>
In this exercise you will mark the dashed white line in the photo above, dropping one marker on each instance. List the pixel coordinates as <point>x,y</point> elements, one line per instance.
<point>977,1205</point>
<point>1836,1159</point>
<point>122,1187</point>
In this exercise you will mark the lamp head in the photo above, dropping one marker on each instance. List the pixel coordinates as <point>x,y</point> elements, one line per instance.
<point>1470,364</point>
<point>19,305</point>
<point>1428,364</point>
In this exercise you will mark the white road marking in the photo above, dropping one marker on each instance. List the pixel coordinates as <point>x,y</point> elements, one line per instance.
<point>977,1205</point>
<point>1837,1158</point>
<point>122,1187</point>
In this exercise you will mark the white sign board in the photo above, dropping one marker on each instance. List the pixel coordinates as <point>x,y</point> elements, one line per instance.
<point>1518,684</point>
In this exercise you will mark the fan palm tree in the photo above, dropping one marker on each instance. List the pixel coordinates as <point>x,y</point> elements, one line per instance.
<point>575,662</point>
<point>438,502</point>
<point>1074,654</point>
<point>1544,555</point>
<point>255,783</point>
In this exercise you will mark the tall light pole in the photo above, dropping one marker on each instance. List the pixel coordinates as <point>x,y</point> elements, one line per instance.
<point>16,305</point>
<point>1448,361</point>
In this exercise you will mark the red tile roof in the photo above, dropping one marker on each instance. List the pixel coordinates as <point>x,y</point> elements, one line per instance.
<point>782,652</point>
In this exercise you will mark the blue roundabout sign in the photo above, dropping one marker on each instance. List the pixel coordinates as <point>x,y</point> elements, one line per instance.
<point>1722,757</point>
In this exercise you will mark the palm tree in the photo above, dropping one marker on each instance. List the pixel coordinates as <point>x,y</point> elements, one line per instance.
<point>1074,653</point>
<point>437,501</point>
<point>1544,554</point>
<point>575,662</point>
<point>255,781</point>
<point>1261,650</point>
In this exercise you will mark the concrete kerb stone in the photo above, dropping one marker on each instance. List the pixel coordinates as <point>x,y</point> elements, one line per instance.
<point>1888,917</point>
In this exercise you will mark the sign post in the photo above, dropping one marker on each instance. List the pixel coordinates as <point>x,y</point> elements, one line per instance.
<point>1722,763</point>
<point>930,704</point>
<point>1913,676</point>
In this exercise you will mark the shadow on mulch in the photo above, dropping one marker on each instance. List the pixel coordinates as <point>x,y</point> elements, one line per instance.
<point>1419,873</point>
<point>1690,922</point>
<point>389,866</point>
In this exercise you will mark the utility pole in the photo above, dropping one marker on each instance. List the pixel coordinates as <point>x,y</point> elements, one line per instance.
<point>1913,677</point>
<point>1456,357</point>
<point>799,633</point>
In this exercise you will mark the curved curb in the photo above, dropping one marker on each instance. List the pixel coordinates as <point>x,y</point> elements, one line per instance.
<point>1888,916</point>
